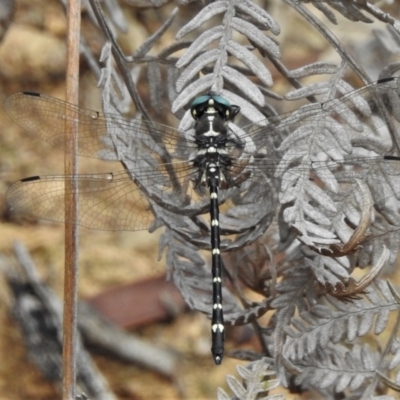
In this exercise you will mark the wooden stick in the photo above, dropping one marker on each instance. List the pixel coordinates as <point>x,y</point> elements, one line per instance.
<point>71,206</point>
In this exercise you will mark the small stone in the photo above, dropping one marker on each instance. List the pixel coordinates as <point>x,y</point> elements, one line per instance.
<point>39,57</point>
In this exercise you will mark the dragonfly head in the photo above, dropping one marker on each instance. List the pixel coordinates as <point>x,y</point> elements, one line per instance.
<point>211,104</point>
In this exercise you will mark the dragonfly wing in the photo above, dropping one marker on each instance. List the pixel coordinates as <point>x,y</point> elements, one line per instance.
<point>108,137</point>
<point>105,201</point>
<point>121,200</point>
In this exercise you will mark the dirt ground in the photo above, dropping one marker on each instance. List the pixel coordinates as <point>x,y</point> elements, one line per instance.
<point>32,57</point>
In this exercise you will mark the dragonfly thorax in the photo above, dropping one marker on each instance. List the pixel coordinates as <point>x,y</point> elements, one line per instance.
<point>212,113</point>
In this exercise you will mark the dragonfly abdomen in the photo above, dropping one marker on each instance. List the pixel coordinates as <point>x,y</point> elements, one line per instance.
<point>217,321</point>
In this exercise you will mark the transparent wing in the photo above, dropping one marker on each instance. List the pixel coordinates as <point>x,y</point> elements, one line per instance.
<point>106,201</point>
<point>111,201</point>
<point>105,137</point>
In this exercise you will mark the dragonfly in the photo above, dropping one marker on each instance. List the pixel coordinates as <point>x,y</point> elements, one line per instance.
<point>308,163</point>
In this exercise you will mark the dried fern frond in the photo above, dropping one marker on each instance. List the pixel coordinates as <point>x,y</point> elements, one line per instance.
<point>257,382</point>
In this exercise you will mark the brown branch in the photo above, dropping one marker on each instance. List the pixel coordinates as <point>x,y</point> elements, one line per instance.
<point>71,206</point>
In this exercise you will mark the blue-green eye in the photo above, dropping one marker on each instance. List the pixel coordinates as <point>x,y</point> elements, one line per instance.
<point>200,100</point>
<point>222,101</point>
<point>204,99</point>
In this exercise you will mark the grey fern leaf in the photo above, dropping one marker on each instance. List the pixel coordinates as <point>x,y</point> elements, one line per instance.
<point>251,61</point>
<point>243,84</point>
<point>340,86</point>
<point>325,324</point>
<point>395,351</point>
<point>347,9</point>
<point>328,269</point>
<point>350,11</point>
<point>148,44</point>
<point>145,3</point>
<point>382,321</point>
<point>259,15</point>
<point>257,382</point>
<point>343,382</point>
<point>111,83</point>
<point>256,36</point>
<point>294,215</point>
<point>105,72</point>
<point>155,87</point>
<point>251,112</point>
<point>172,77</point>
<point>294,292</point>
<point>245,316</point>
<point>316,68</point>
<point>167,51</point>
<point>196,66</point>
<point>291,289</point>
<point>218,7</point>
<point>309,90</point>
<point>324,9</point>
<point>199,44</point>
<point>222,395</point>
<point>393,68</point>
<point>339,368</point>
<point>368,358</point>
<point>384,291</point>
<point>237,388</point>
